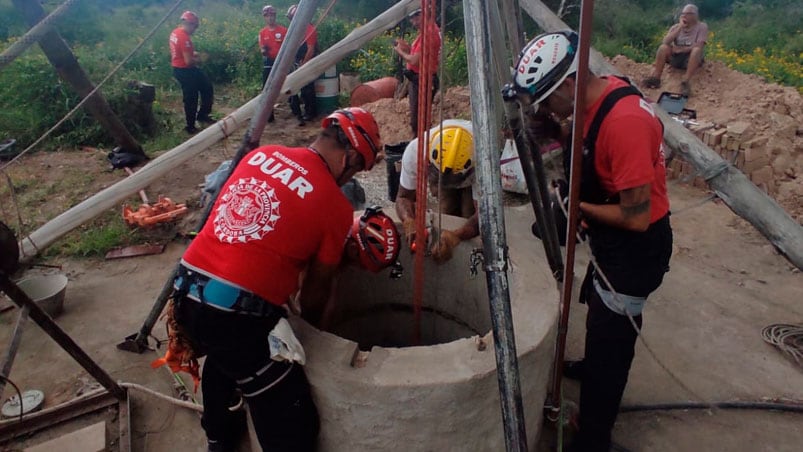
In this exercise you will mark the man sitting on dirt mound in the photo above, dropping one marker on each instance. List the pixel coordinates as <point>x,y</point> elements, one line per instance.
<point>450,177</point>
<point>682,48</point>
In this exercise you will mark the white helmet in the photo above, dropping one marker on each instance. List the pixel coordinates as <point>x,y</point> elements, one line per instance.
<point>545,62</point>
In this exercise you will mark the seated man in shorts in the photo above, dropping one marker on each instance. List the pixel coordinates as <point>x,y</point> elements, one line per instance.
<point>682,48</point>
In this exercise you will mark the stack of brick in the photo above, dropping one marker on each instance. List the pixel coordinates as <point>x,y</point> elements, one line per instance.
<point>736,144</point>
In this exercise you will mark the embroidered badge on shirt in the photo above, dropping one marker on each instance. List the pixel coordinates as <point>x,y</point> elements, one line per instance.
<point>248,211</point>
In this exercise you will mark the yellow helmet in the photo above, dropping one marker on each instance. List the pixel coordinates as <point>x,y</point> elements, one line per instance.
<point>451,150</point>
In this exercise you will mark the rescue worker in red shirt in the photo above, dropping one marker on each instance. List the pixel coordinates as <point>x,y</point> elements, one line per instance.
<point>271,38</point>
<point>185,60</point>
<point>238,274</point>
<point>624,202</point>
<point>305,53</point>
<point>412,56</point>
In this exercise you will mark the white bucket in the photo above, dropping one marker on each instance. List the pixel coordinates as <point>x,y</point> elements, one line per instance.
<point>47,291</point>
<point>327,89</point>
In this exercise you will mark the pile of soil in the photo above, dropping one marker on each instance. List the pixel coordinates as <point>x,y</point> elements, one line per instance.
<point>719,95</point>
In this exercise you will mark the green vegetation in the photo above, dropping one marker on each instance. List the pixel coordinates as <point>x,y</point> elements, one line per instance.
<point>761,37</point>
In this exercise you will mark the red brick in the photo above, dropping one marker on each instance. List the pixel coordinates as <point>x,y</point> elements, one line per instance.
<point>754,165</point>
<point>716,136</point>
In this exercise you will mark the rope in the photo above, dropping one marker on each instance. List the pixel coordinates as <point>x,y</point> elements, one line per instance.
<point>159,395</point>
<point>788,338</point>
<point>99,85</point>
<point>325,13</point>
<point>610,288</point>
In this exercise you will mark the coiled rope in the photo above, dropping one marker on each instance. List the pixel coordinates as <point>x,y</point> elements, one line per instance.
<point>788,338</point>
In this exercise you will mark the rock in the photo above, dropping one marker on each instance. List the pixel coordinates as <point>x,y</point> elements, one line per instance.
<point>783,125</point>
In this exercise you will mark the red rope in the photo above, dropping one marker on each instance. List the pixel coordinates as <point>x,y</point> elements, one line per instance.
<point>424,120</point>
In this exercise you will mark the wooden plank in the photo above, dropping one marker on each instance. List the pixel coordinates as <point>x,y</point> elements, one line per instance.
<point>87,439</point>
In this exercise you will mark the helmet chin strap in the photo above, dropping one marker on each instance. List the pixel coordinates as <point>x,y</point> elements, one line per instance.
<point>339,180</point>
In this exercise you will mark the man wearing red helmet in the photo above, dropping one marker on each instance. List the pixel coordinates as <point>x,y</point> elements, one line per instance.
<point>237,276</point>
<point>271,38</point>
<point>185,60</point>
<point>308,49</point>
<point>412,56</point>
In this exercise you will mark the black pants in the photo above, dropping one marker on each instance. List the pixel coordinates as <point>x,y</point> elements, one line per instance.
<point>412,95</point>
<point>194,82</point>
<point>236,347</point>
<point>610,342</point>
<point>267,65</point>
<point>307,97</point>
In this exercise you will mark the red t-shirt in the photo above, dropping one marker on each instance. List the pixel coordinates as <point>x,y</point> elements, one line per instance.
<point>311,36</point>
<point>629,151</point>
<point>272,39</point>
<point>434,51</point>
<point>280,210</point>
<point>180,42</point>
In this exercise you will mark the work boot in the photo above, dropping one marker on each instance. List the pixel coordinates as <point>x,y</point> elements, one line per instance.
<point>192,130</point>
<point>206,120</point>
<point>301,122</point>
<point>573,370</point>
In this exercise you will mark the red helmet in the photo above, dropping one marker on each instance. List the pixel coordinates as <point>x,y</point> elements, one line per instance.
<point>377,238</point>
<point>291,11</point>
<point>189,16</point>
<point>361,130</point>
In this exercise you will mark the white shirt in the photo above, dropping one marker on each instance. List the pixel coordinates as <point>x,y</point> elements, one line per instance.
<point>409,162</point>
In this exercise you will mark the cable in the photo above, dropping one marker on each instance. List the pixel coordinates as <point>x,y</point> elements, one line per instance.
<point>92,93</point>
<point>790,407</point>
<point>788,338</point>
<point>16,388</point>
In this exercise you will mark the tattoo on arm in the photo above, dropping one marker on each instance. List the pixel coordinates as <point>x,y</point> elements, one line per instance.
<point>636,209</point>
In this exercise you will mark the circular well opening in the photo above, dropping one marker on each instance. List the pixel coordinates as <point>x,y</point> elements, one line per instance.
<point>374,310</point>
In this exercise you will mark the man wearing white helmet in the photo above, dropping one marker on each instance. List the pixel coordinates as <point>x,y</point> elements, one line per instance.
<point>450,177</point>
<point>623,201</point>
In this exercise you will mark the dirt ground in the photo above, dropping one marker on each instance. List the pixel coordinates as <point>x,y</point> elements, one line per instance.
<point>702,326</point>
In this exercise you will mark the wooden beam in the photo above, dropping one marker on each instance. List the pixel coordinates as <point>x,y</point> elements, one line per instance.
<point>61,57</point>
<point>33,35</point>
<point>730,184</point>
<point>161,166</point>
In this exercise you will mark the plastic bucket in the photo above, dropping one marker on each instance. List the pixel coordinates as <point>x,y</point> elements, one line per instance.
<point>47,291</point>
<point>327,88</point>
<point>374,90</point>
<point>393,157</point>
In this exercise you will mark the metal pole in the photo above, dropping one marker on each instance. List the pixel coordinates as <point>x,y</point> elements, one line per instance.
<point>284,61</point>
<point>492,220</point>
<point>11,353</point>
<point>583,73</point>
<point>515,30</point>
<point>138,343</point>
<point>532,166</point>
<point>63,339</point>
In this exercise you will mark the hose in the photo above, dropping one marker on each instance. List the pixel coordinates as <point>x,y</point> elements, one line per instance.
<point>786,406</point>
